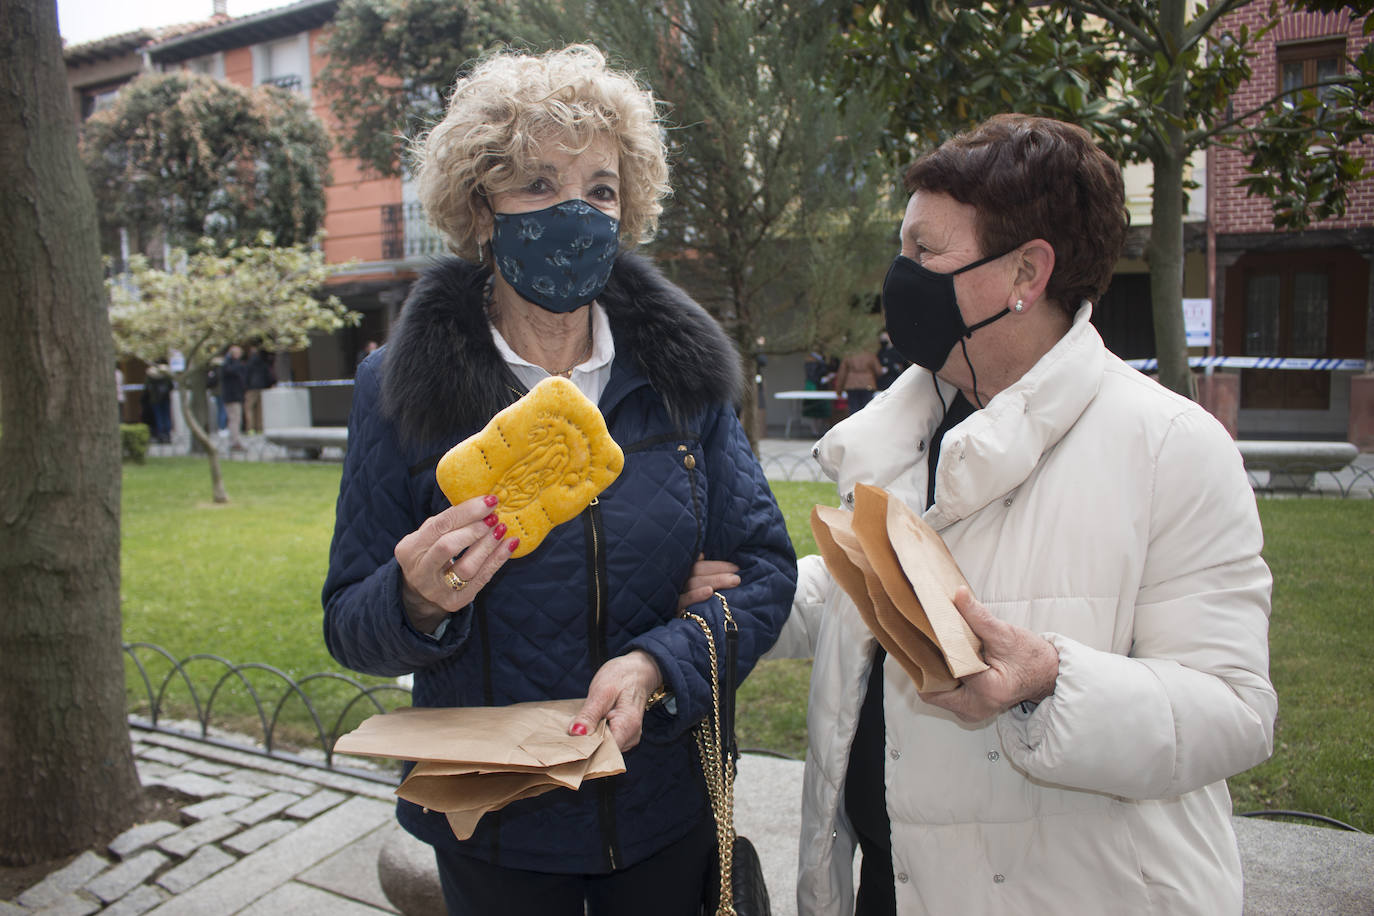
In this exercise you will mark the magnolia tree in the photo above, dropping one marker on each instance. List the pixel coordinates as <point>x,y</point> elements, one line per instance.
<point>210,300</point>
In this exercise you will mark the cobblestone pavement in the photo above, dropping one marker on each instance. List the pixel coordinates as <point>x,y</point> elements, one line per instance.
<point>261,837</point>
<point>255,835</point>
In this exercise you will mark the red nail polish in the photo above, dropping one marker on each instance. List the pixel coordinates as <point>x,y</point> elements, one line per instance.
<point>579,729</point>
<point>499,531</point>
<point>489,500</point>
<point>512,544</point>
<point>490,520</point>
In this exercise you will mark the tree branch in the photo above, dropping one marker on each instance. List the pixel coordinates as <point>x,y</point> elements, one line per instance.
<point>1198,137</point>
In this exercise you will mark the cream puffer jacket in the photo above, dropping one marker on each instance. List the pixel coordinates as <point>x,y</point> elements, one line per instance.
<point>1091,505</point>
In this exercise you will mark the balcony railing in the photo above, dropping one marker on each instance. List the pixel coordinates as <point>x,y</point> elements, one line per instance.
<point>407,233</point>
<point>291,82</point>
<point>421,239</point>
<point>393,231</point>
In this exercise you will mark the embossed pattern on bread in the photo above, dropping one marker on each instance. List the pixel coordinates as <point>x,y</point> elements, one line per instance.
<point>545,458</point>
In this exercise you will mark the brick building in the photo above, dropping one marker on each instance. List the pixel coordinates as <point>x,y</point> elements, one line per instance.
<point>1293,293</point>
<point>371,222</point>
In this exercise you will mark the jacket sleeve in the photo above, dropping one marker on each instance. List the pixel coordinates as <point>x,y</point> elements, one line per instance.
<point>803,624</point>
<point>1192,703</point>
<point>744,526</point>
<point>365,624</point>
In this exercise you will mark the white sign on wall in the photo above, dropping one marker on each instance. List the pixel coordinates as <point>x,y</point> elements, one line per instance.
<point>1197,322</point>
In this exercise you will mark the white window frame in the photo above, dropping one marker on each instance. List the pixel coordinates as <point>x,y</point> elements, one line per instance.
<point>262,57</point>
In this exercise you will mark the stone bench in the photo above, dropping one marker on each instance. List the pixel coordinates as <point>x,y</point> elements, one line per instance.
<point>1293,465</point>
<point>310,439</point>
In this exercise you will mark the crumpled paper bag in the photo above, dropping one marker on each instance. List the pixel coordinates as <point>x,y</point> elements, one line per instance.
<point>471,760</point>
<point>902,578</point>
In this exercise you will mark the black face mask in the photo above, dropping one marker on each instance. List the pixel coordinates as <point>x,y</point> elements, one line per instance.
<point>922,312</point>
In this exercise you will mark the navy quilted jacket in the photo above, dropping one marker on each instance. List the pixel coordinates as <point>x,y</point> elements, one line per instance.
<point>599,586</point>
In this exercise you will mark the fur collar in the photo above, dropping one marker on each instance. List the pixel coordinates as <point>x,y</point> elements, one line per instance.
<point>443,377</point>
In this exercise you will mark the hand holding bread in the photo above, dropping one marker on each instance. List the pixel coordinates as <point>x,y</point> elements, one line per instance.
<point>446,561</point>
<point>545,458</point>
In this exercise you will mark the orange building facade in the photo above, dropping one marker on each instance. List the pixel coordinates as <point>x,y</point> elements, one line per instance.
<point>374,230</point>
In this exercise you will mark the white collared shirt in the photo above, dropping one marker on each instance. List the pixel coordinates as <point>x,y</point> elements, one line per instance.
<point>590,376</point>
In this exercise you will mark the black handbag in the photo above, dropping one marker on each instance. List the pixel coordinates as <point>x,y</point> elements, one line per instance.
<point>735,886</point>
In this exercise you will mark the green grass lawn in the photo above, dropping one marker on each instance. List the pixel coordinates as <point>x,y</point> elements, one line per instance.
<point>1321,646</point>
<point>242,581</point>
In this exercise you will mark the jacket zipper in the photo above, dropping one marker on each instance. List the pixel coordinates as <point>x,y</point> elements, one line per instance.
<point>599,651</point>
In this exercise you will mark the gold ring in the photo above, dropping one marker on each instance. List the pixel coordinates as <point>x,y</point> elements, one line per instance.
<point>455,581</point>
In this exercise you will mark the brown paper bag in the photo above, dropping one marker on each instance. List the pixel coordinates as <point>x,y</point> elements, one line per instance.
<point>913,650</point>
<point>934,577</point>
<point>471,760</point>
<point>872,567</point>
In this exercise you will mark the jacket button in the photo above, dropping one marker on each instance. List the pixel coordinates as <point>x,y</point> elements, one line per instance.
<point>895,754</point>
<point>921,446</point>
<point>1007,501</point>
<point>849,498</point>
<point>815,451</point>
<point>994,756</point>
<point>690,461</point>
<point>998,879</point>
<point>902,877</point>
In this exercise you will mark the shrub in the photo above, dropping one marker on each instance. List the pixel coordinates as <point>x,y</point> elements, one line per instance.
<point>133,441</point>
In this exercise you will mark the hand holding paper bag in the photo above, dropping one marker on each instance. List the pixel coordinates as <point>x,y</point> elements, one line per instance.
<point>471,760</point>
<point>902,579</point>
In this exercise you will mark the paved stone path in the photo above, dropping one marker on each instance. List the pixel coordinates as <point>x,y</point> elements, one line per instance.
<point>256,836</point>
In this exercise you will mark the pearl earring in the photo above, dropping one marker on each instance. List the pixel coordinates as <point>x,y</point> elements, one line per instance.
<point>1019,306</point>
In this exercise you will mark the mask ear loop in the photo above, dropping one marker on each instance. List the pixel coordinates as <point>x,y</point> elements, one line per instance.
<point>964,347</point>
<point>944,408</point>
<point>972,373</point>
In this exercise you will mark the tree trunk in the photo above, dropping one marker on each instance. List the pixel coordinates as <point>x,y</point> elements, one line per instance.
<point>68,780</point>
<point>199,405</point>
<point>749,402</point>
<point>201,437</point>
<point>1166,228</point>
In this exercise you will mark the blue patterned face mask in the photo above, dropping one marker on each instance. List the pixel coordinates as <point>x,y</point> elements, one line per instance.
<point>558,258</point>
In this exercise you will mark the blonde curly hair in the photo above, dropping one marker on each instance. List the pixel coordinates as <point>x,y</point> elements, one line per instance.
<point>507,106</point>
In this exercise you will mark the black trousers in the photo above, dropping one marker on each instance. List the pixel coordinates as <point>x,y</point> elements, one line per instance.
<point>668,883</point>
<point>858,398</point>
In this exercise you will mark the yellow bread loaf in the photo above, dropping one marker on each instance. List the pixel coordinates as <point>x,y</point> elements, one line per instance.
<point>545,458</point>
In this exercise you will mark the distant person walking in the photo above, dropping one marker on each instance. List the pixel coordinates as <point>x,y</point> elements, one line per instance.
<point>119,392</point>
<point>260,378</point>
<point>368,349</point>
<point>893,363</point>
<point>233,384</point>
<point>157,394</point>
<point>858,378</point>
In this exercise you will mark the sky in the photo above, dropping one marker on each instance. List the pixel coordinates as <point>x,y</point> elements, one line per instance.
<point>81,21</point>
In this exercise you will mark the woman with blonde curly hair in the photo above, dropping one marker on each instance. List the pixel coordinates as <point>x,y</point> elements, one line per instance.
<point>544,172</point>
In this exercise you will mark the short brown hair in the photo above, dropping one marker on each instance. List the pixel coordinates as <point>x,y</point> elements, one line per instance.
<point>508,105</point>
<point>1031,178</point>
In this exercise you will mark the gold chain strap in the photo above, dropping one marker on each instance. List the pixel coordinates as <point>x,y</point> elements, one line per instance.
<point>720,775</point>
